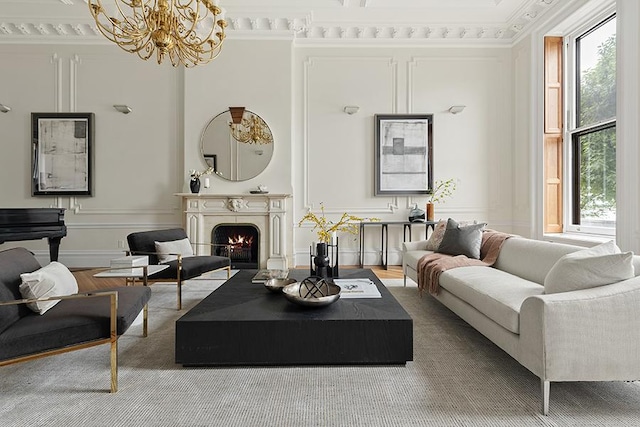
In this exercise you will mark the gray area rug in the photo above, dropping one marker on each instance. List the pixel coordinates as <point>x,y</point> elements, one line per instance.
<point>457,378</point>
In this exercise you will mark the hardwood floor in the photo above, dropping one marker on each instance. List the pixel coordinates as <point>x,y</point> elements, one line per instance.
<point>86,281</point>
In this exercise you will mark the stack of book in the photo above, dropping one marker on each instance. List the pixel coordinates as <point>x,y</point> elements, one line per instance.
<point>127,264</point>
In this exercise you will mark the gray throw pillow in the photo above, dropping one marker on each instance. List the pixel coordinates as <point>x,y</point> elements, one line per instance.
<point>459,240</point>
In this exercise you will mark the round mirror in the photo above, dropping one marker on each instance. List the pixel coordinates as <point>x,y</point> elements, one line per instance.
<point>237,144</point>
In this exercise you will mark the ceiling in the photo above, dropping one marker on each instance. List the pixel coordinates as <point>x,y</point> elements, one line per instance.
<point>382,21</point>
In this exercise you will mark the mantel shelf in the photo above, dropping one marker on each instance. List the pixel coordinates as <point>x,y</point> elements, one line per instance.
<point>230,195</point>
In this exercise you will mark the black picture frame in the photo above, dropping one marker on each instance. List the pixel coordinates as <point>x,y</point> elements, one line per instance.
<point>62,154</point>
<point>404,154</point>
<point>212,161</point>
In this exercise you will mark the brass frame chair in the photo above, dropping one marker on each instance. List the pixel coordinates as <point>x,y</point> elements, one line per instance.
<point>181,269</point>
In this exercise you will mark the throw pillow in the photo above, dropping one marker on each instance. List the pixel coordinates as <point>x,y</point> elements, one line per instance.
<point>436,236</point>
<point>601,265</point>
<point>166,250</point>
<point>438,233</point>
<point>52,280</point>
<point>459,240</point>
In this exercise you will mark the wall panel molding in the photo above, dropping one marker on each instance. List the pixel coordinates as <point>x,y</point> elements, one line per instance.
<point>308,64</point>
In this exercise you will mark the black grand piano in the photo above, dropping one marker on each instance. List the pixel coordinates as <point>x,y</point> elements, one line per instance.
<point>18,224</point>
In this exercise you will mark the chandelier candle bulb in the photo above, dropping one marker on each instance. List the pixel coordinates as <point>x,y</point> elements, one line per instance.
<point>206,182</point>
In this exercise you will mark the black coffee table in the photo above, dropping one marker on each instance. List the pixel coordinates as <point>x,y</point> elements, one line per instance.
<point>242,323</point>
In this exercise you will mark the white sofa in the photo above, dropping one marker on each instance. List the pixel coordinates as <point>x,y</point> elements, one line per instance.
<point>582,335</point>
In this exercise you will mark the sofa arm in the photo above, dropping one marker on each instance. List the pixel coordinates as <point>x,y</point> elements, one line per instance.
<point>420,245</point>
<point>585,335</point>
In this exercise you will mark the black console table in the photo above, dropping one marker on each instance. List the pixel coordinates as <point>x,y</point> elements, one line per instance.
<point>406,226</point>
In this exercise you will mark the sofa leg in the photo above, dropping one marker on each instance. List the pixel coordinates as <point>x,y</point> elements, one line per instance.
<point>545,396</point>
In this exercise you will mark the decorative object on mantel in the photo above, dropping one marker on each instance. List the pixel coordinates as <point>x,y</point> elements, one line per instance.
<point>194,183</point>
<point>189,32</point>
<point>262,189</point>
<point>442,190</point>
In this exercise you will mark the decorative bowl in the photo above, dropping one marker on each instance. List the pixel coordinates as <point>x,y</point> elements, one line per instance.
<point>276,284</point>
<point>306,293</point>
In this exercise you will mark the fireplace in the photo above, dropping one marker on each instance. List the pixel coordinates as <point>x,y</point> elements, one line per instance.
<point>268,213</point>
<point>243,242</point>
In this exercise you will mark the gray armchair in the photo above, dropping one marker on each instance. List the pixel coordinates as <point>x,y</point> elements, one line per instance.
<point>180,269</point>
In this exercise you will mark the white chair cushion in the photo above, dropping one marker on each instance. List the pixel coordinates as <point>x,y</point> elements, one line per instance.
<point>52,280</point>
<point>166,249</point>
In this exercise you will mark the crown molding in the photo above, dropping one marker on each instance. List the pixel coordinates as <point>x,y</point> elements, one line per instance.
<point>299,26</point>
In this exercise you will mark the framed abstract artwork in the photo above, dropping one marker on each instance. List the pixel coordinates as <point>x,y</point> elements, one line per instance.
<point>404,154</point>
<point>62,154</point>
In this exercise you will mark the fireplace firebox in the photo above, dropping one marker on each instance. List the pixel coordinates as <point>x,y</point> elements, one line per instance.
<point>243,244</point>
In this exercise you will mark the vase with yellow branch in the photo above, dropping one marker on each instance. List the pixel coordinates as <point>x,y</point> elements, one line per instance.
<point>441,191</point>
<point>327,232</point>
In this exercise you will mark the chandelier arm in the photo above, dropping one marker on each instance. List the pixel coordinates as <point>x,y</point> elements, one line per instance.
<point>172,28</point>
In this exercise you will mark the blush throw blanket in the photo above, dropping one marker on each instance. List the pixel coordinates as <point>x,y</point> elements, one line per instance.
<point>430,266</point>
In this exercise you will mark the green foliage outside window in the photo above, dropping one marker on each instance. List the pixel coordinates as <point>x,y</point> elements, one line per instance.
<point>597,102</point>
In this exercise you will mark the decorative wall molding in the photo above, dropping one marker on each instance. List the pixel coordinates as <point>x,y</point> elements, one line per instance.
<point>121,225</point>
<point>57,88</point>
<point>390,207</point>
<point>300,23</point>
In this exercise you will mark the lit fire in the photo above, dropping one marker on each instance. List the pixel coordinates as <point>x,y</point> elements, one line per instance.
<point>241,241</point>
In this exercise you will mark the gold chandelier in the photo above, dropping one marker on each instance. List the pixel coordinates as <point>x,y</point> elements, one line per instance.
<point>190,32</point>
<point>249,130</point>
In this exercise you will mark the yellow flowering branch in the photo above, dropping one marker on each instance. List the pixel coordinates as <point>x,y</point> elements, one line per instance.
<point>324,227</point>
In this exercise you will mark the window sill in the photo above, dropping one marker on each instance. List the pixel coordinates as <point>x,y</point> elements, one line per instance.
<point>578,239</point>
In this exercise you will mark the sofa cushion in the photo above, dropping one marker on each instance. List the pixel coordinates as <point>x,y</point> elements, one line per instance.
<point>496,294</point>
<point>166,250</point>
<point>530,259</point>
<point>462,240</point>
<point>72,322</point>
<point>601,265</point>
<point>14,262</point>
<point>192,267</point>
<point>54,279</point>
<point>436,235</point>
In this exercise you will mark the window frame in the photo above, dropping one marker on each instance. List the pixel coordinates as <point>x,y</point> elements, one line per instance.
<point>572,132</point>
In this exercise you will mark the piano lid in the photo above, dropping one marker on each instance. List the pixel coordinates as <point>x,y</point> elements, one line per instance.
<point>31,216</point>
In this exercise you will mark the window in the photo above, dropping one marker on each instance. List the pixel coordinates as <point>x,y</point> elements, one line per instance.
<point>591,130</point>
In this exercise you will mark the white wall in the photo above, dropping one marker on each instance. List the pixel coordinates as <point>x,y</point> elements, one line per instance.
<point>321,154</point>
<point>333,154</point>
<point>137,156</point>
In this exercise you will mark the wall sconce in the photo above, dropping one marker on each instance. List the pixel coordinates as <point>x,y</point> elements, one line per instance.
<point>124,109</point>
<point>4,108</point>
<point>351,109</point>
<point>455,109</point>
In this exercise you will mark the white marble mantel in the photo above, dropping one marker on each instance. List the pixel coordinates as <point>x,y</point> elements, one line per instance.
<point>270,213</point>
